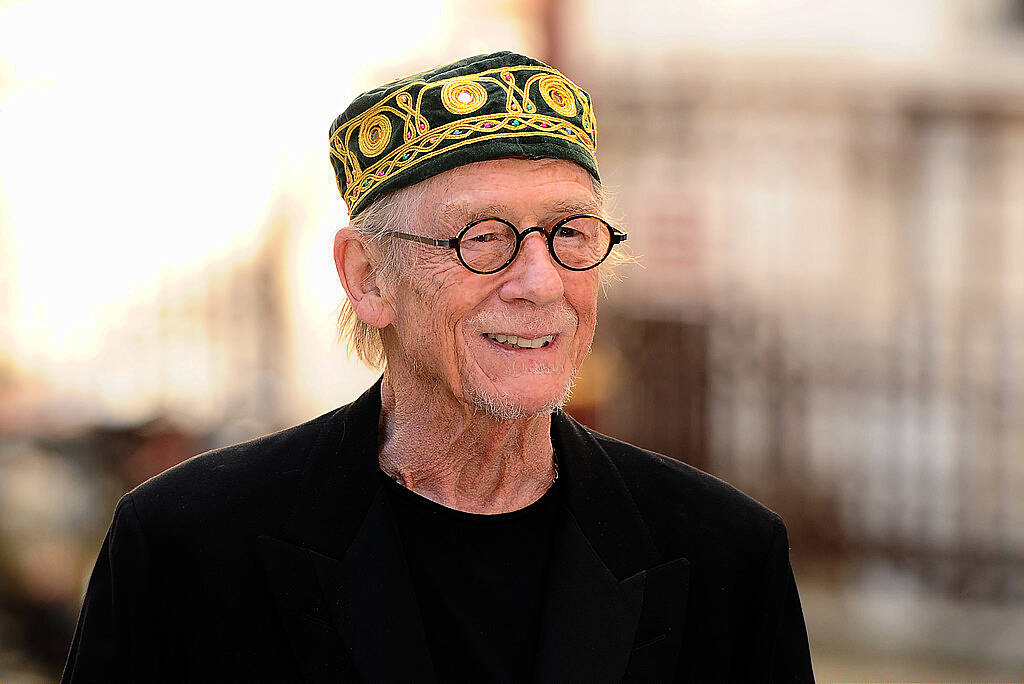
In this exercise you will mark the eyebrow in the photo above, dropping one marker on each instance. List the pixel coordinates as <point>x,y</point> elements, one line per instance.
<point>457,214</point>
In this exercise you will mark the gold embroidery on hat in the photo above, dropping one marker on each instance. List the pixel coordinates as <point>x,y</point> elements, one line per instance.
<point>463,96</point>
<point>558,95</point>
<point>517,99</point>
<point>421,141</point>
<point>415,123</point>
<point>374,135</point>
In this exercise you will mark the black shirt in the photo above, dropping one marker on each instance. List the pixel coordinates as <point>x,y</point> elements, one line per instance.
<point>479,581</point>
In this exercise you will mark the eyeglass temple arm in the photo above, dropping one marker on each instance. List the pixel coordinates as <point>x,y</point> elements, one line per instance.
<point>450,242</point>
<point>617,237</point>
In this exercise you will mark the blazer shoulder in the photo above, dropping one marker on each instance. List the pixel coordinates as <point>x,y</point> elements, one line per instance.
<point>250,478</point>
<point>669,492</point>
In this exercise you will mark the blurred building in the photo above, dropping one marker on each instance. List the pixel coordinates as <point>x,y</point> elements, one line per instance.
<point>830,216</point>
<point>201,355</point>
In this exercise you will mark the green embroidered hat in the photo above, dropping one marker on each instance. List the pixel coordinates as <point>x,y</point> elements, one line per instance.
<point>484,107</point>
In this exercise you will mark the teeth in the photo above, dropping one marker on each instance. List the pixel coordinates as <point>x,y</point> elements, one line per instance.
<point>521,342</point>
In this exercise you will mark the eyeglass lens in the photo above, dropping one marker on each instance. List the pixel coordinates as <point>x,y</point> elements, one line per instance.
<point>581,242</point>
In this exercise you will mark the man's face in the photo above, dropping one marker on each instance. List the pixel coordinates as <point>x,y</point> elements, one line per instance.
<point>447,317</point>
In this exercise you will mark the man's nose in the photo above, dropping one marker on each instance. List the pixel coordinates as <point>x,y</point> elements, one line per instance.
<point>534,275</point>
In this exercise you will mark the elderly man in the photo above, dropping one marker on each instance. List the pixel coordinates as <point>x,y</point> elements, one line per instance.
<point>451,524</point>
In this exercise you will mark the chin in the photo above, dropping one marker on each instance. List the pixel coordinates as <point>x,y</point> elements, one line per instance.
<point>504,405</point>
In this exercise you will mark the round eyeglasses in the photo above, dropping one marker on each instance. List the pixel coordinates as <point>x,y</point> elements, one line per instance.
<point>578,242</point>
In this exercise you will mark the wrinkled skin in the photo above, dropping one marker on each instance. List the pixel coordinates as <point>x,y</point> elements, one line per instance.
<point>466,419</point>
<point>442,310</point>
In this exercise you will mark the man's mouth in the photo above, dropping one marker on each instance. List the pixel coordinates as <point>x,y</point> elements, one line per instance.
<point>520,342</point>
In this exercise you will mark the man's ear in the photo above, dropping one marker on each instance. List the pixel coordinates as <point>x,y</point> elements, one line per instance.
<point>353,257</point>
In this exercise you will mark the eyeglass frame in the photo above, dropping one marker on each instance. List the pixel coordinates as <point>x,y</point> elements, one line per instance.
<point>617,236</point>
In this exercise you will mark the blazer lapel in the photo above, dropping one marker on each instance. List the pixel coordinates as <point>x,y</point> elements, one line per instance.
<point>374,604</point>
<point>291,573</point>
<point>590,617</point>
<point>339,577</point>
<point>614,608</point>
<point>655,654</point>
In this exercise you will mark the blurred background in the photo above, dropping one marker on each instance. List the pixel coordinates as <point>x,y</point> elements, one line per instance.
<point>827,199</point>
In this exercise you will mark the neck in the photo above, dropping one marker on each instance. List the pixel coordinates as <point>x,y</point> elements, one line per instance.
<point>458,456</point>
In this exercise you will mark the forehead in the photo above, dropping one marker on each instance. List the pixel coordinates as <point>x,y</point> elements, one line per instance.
<point>514,189</point>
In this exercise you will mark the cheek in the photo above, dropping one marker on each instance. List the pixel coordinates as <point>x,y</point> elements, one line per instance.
<point>446,301</point>
<point>432,289</point>
<point>582,296</point>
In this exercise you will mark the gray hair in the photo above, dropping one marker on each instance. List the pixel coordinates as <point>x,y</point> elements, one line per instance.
<point>394,211</point>
<point>388,213</point>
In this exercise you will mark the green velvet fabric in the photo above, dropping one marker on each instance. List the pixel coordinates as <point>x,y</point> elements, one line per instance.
<point>478,108</point>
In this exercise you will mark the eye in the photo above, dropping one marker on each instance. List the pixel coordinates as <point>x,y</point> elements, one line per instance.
<point>567,232</point>
<point>486,232</point>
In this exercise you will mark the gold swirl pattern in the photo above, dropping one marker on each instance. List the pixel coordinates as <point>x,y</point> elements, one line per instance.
<point>374,135</point>
<point>463,96</point>
<point>558,95</point>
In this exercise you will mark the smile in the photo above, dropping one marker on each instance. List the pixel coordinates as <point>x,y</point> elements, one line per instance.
<point>521,342</point>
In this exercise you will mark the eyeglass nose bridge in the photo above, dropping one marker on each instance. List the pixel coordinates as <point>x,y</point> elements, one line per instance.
<point>521,238</point>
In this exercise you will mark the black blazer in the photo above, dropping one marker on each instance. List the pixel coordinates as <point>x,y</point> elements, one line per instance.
<point>278,559</point>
